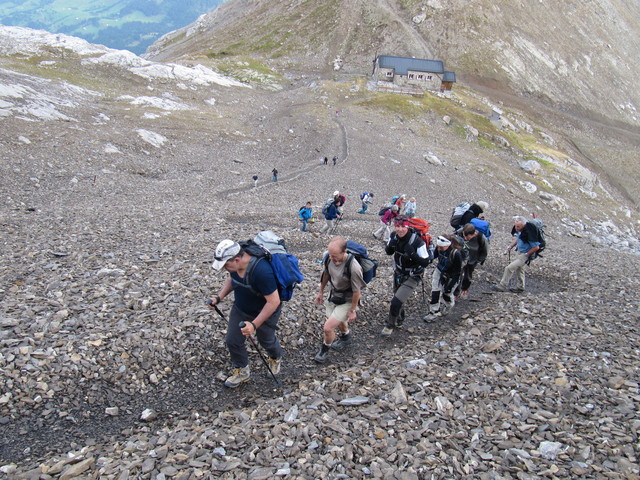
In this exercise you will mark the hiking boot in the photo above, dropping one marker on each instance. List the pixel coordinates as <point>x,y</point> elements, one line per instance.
<point>323,354</point>
<point>240,375</point>
<point>431,317</point>
<point>400,319</point>
<point>274,365</point>
<point>516,289</point>
<point>499,288</point>
<point>342,342</point>
<point>386,331</point>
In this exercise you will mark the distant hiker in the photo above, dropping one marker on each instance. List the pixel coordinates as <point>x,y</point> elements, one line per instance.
<point>342,304</point>
<point>445,277</point>
<point>477,248</point>
<point>335,159</point>
<point>274,172</point>
<point>527,243</point>
<point>330,212</point>
<point>410,208</point>
<point>401,200</point>
<point>326,160</point>
<point>255,180</point>
<point>465,211</point>
<point>259,311</point>
<point>340,200</point>
<point>304,214</point>
<point>410,257</point>
<point>384,231</point>
<point>365,198</point>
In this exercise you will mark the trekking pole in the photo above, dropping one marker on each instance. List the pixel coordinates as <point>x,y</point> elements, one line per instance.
<point>242,325</point>
<point>335,225</point>
<point>264,360</point>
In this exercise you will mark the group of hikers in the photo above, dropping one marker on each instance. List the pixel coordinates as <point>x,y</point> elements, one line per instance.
<point>456,255</point>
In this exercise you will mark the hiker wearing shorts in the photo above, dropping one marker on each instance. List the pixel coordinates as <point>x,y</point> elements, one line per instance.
<point>341,306</point>
<point>410,257</point>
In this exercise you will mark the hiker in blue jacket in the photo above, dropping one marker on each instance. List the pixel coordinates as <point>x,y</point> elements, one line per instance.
<point>330,217</point>
<point>304,214</point>
<point>527,244</point>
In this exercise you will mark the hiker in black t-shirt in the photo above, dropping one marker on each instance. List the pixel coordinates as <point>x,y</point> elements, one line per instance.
<point>410,257</point>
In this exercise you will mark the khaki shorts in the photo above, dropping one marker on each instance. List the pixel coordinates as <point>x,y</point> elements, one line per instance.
<point>339,312</point>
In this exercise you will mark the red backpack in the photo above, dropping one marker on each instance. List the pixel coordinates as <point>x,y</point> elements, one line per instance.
<point>421,228</point>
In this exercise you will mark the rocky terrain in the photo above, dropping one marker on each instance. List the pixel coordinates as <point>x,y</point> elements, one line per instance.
<point>120,175</point>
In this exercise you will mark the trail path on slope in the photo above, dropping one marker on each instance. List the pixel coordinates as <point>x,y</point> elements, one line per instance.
<point>309,165</point>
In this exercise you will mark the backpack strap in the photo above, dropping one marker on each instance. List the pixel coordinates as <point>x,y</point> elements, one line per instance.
<point>246,281</point>
<point>347,272</point>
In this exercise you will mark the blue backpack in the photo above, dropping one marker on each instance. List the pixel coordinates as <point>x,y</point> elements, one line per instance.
<point>359,252</point>
<point>267,245</point>
<point>482,226</point>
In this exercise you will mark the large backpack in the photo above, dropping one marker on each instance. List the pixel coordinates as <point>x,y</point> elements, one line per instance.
<point>327,204</point>
<point>359,252</point>
<point>384,209</point>
<point>456,214</point>
<point>421,228</point>
<point>542,238</point>
<point>482,226</point>
<point>267,245</point>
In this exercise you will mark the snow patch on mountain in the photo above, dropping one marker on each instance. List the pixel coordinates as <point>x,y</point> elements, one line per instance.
<point>29,42</point>
<point>155,102</point>
<point>23,96</point>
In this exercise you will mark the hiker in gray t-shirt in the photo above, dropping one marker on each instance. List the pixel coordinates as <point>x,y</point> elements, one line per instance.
<point>342,305</point>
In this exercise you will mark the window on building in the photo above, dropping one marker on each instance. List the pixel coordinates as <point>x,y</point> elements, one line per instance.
<point>411,76</point>
<point>420,77</point>
<point>429,77</point>
<point>389,74</point>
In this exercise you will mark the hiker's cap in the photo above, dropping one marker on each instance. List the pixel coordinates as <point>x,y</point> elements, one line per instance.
<point>483,205</point>
<point>395,208</point>
<point>336,193</point>
<point>443,241</point>
<point>226,250</point>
